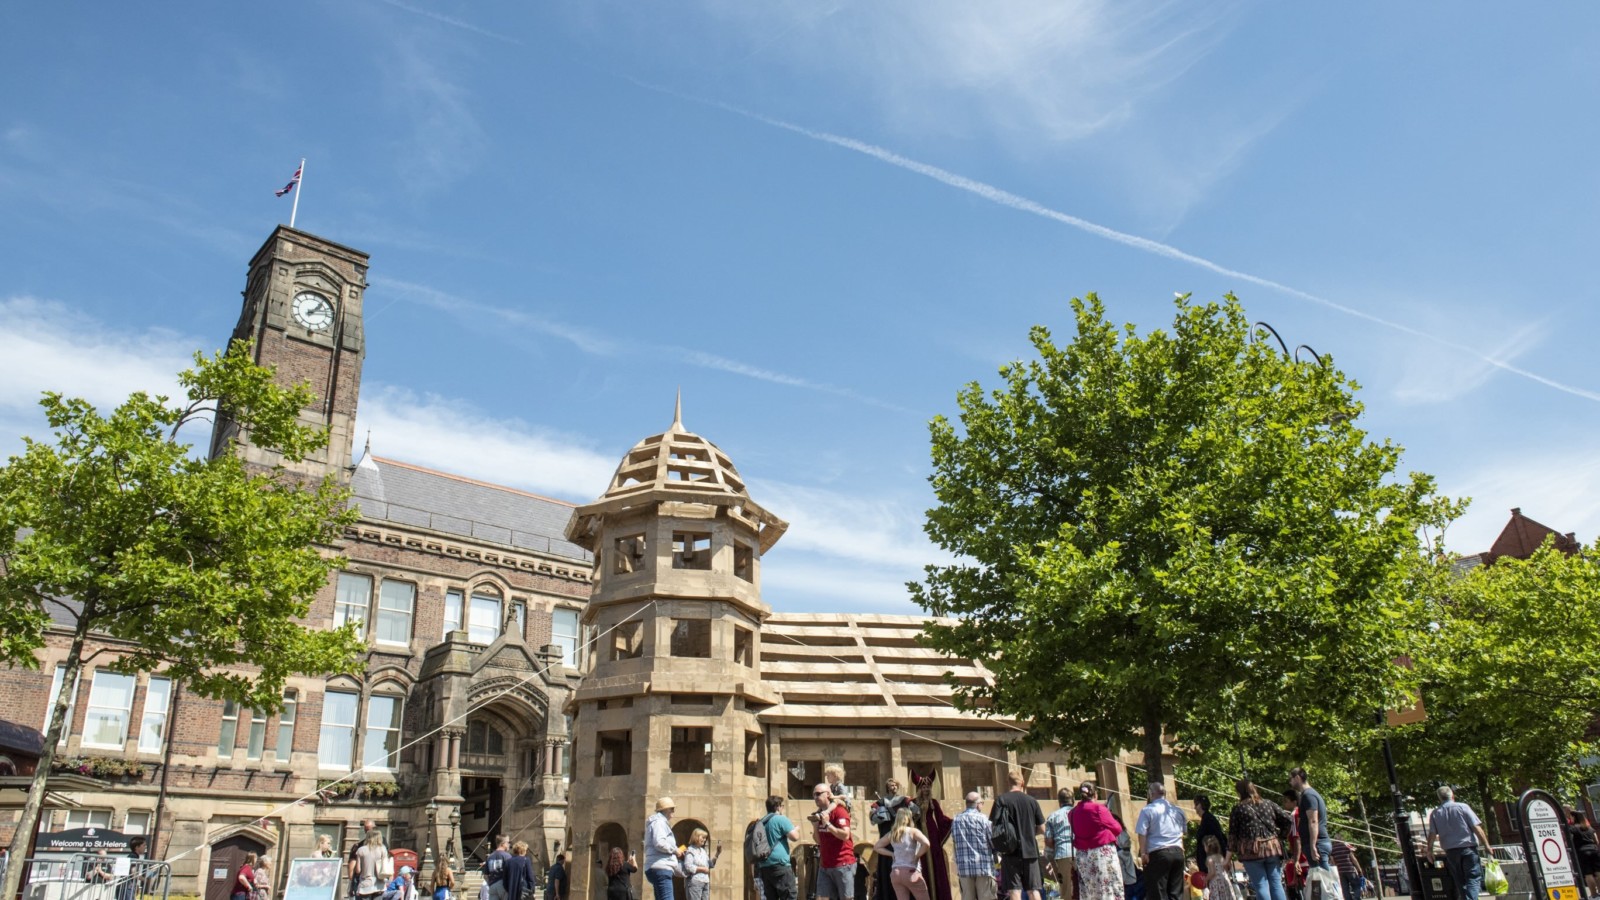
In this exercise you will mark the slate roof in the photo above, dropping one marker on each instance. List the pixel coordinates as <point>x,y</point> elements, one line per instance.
<point>386,490</point>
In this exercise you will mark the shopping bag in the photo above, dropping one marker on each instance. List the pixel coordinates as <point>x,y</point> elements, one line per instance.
<point>1322,884</point>
<point>1494,878</point>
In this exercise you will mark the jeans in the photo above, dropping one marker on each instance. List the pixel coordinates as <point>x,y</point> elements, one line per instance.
<point>1324,858</point>
<point>660,882</point>
<point>1266,877</point>
<point>1466,870</point>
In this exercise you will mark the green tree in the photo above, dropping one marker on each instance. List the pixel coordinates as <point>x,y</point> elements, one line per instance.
<point>161,559</point>
<point>1511,677</point>
<point>1179,534</point>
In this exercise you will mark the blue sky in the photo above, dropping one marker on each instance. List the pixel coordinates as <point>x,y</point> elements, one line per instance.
<point>820,219</point>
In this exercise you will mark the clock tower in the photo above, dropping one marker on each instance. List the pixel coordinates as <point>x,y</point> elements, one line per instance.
<point>302,311</point>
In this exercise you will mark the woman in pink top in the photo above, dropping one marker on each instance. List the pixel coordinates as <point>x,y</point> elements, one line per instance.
<point>1094,837</point>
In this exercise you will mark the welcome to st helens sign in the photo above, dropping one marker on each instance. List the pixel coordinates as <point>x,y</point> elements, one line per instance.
<point>1544,839</point>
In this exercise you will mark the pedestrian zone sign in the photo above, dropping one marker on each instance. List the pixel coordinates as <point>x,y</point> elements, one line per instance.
<point>1546,843</point>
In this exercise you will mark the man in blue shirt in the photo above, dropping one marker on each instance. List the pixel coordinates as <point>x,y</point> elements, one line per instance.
<point>777,870</point>
<point>660,850</point>
<point>1459,833</point>
<point>1058,838</point>
<point>1314,838</point>
<point>1160,828</point>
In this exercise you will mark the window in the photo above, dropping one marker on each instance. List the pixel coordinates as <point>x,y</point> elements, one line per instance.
<point>692,638</point>
<point>336,745</point>
<point>690,751</point>
<point>153,724</point>
<point>452,612</point>
<point>285,744</point>
<point>564,634</point>
<point>55,694</point>
<point>691,550</point>
<point>519,615</point>
<point>230,729</point>
<point>258,735</point>
<point>485,738</point>
<point>383,733</point>
<point>350,604</point>
<point>755,754</point>
<point>627,640</point>
<point>803,776</point>
<point>484,625</point>
<point>137,822</point>
<point>614,754</point>
<point>629,555</point>
<point>743,646</point>
<point>89,818</point>
<point>110,707</point>
<point>395,601</point>
<point>744,561</point>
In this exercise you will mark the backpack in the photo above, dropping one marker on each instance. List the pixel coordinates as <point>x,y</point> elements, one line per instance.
<point>757,843</point>
<point>1005,838</point>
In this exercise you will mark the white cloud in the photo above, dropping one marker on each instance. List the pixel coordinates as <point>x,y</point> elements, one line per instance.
<point>1559,488</point>
<point>1440,374</point>
<point>45,346</point>
<point>1052,69</point>
<point>810,583</point>
<point>854,526</point>
<point>453,436</point>
<point>445,139</point>
<point>583,339</point>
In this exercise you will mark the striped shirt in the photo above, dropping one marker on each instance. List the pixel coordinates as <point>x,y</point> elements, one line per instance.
<point>974,852</point>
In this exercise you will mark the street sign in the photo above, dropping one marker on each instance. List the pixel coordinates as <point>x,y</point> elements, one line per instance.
<point>1545,841</point>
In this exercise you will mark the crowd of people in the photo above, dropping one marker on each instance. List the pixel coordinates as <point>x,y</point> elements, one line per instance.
<point>1266,850</point>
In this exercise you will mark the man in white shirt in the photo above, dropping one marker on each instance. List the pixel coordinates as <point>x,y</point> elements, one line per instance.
<point>1160,829</point>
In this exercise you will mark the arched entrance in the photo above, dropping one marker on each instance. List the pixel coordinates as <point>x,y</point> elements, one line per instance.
<point>681,830</point>
<point>495,773</point>
<point>606,837</point>
<point>227,855</point>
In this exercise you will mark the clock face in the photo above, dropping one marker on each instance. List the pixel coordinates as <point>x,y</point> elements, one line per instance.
<point>312,310</point>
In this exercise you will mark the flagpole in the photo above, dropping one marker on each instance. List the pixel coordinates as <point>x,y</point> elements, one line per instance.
<point>301,186</point>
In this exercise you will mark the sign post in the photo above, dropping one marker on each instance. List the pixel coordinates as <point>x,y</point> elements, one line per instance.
<point>1544,840</point>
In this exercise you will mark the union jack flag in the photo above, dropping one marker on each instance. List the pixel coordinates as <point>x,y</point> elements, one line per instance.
<point>292,182</point>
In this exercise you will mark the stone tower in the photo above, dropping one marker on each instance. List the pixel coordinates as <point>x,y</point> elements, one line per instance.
<point>302,310</point>
<point>668,705</point>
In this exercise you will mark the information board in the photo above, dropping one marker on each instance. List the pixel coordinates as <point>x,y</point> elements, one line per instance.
<point>312,879</point>
<point>1545,841</point>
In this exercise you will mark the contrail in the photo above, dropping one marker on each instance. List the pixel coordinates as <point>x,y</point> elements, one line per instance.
<point>456,23</point>
<point>1006,198</point>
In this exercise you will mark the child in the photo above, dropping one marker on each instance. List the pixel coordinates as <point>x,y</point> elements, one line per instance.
<point>1220,881</point>
<point>697,865</point>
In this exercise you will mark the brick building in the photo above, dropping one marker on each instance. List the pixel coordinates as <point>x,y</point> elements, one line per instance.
<point>523,653</point>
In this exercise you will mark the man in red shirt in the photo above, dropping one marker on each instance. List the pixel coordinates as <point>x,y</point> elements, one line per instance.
<point>836,879</point>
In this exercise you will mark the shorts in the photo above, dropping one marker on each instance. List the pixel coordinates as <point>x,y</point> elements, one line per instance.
<point>1018,874</point>
<point>837,883</point>
<point>977,887</point>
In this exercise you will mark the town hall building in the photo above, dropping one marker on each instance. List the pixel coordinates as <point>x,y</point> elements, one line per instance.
<point>534,669</point>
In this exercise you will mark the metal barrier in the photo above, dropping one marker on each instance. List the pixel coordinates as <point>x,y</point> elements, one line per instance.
<point>91,876</point>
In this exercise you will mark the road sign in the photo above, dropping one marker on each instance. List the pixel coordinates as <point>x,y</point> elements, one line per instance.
<point>1545,841</point>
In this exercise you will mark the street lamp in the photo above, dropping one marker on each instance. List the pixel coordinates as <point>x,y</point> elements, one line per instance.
<point>433,815</point>
<point>455,835</point>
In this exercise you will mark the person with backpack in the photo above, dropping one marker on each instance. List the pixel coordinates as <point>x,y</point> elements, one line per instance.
<point>766,846</point>
<point>1018,821</point>
<point>1094,835</point>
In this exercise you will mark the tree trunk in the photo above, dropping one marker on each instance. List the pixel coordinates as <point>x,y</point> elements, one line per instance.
<point>28,824</point>
<point>1491,816</point>
<point>1153,749</point>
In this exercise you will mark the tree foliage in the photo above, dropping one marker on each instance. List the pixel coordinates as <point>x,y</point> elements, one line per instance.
<point>1510,676</point>
<point>1182,533</point>
<point>195,566</point>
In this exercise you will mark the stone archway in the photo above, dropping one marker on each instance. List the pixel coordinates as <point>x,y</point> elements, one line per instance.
<point>681,830</point>
<point>606,837</point>
<point>227,854</point>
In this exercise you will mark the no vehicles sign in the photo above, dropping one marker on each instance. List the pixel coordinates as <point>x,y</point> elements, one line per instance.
<point>1545,841</point>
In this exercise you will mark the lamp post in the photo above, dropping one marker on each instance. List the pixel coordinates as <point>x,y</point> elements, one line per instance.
<point>455,841</point>
<point>427,853</point>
